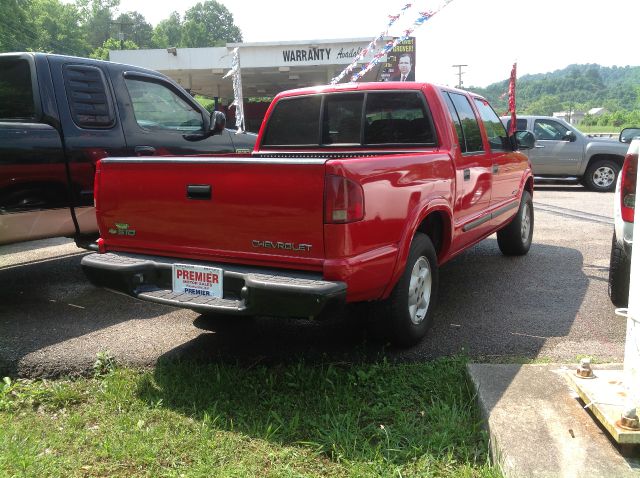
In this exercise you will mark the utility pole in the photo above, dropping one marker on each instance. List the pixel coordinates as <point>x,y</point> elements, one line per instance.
<point>120,32</point>
<point>460,73</point>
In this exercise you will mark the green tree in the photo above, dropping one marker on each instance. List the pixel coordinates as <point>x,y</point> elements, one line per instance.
<point>135,28</point>
<point>58,28</point>
<point>168,32</point>
<point>209,24</point>
<point>16,30</point>
<point>102,52</point>
<point>97,20</point>
<point>545,105</point>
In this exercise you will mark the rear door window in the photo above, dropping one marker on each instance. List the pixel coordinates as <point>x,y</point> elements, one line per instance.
<point>16,91</point>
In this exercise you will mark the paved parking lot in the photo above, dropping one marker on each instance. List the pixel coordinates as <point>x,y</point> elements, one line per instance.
<point>551,304</point>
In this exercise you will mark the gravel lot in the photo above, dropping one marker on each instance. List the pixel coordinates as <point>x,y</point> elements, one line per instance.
<point>551,304</point>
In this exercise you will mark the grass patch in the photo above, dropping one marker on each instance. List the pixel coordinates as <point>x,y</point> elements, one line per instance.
<point>186,419</point>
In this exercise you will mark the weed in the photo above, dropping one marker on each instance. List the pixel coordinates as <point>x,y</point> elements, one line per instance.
<point>105,363</point>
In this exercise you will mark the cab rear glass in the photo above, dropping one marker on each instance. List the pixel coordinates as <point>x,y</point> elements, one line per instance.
<point>352,120</point>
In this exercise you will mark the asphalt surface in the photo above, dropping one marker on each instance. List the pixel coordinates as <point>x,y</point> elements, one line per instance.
<point>549,304</point>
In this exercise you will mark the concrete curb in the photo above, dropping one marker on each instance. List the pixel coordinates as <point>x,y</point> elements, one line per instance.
<point>538,427</point>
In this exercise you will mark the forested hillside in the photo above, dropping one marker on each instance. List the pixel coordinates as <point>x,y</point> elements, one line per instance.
<point>576,87</point>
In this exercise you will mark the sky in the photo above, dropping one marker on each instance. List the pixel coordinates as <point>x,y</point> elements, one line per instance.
<point>486,35</point>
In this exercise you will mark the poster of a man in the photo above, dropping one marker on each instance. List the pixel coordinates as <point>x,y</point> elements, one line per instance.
<point>400,65</point>
<point>405,70</point>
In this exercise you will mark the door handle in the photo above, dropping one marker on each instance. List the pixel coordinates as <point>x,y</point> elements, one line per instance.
<point>538,146</point>
<point>495,169</point>
<point>466,174</point>
<point>144,150</point>
<point>199,191</point>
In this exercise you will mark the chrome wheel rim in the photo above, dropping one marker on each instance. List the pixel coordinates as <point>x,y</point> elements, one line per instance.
<point>525,223</point>
<point>604,176</point>
<point>419,290</point>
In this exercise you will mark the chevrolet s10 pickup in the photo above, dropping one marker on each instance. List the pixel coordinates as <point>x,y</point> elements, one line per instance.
<point>354,193</point>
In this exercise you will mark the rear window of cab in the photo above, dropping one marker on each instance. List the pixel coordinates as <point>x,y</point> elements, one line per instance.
<point>351,120</point>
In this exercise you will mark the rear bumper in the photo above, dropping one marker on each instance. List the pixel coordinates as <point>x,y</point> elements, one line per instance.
<point>247,290</point>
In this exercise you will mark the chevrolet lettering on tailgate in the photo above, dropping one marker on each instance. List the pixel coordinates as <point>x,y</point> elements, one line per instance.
<point>287,246</point>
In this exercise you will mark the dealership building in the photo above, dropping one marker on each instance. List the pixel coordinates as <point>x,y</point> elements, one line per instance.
<point>266,68</point>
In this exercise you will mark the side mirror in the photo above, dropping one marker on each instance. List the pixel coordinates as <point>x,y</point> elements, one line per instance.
<point>569,136</point>
<point>524,139</point>
<point>627,134</point>
<point>217,121</point>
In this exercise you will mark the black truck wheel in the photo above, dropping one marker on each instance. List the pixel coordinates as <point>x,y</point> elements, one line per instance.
<point>619,275</point>
<point>405,317</point>
<point>601,175</point>
<point>515,238</point>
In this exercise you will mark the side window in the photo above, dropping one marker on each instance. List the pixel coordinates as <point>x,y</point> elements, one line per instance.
<point>155,106</point>
<point>294,122</point>
<point>470,126</point>
<point>549,130</point>
<point>456,121</point>
<point>88,96</point>
<point>521,124</point>
<point>342,118</point>
<point>496,134</point>
<point>16,93</point>
<point>397,118</point>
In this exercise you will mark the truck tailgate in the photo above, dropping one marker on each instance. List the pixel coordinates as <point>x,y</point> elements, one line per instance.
<point>247,209</point>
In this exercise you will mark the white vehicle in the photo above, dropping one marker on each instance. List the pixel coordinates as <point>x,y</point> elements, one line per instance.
<point>624,208</point>
<point>563,152</point>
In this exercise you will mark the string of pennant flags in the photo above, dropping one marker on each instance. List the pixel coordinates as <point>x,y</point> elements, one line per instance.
<point>238,100</point>
<point>389,45</point>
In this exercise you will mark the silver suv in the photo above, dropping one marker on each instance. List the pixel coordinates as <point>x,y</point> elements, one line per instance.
<point>561,151</point>
<point>623,214</point>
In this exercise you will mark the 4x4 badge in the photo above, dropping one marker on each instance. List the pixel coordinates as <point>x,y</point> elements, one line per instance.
<point>122,229</point>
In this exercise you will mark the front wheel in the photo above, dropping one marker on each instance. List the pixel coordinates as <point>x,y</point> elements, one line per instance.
<point>405,317</point>
<point>601,175</point>
<point>515,238</point>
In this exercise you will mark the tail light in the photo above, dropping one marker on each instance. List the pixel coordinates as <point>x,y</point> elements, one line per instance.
<point>628,187</point>
<point>344,200</point>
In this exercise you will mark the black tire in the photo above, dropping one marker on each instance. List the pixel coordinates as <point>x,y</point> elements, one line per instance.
<point>515,238</point>
<point>395,319</point>
<point>619,275</point>
<point>601,175</point>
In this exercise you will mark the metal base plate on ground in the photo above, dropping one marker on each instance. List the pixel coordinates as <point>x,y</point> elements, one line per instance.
<point>605,395</point>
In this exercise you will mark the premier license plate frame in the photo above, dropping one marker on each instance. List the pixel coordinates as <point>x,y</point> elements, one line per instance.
<point>197,280</point>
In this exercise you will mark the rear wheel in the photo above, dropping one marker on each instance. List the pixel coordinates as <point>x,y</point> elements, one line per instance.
<point>619,274</point>
<point>405,316</point>
<point>515,238</point>
<point>601,175</point>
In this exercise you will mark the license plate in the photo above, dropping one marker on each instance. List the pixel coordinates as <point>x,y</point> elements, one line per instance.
<point>197,280</point>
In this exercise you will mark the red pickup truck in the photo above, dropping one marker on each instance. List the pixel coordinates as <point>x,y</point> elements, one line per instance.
<point>354,193</point>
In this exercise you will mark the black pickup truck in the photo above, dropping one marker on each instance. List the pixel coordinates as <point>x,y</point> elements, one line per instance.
<point>60,114</point>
